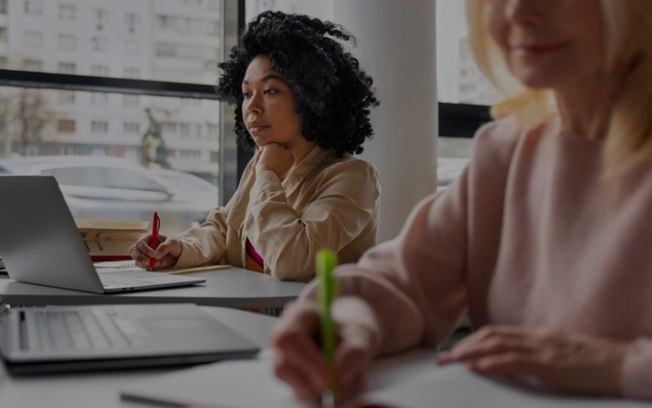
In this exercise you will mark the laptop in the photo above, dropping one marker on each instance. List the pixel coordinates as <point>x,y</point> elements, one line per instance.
<point>55,339</point>
<point>40,243</point>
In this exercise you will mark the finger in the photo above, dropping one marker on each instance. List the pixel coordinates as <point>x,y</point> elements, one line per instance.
<point>293,338</point>
<point>514,364</point>
<point>140,259</point>
<point>171,247</point>
<point>352,357</point>
<point>490,346</point>
<point>144,248</point>
<point>295,379</point>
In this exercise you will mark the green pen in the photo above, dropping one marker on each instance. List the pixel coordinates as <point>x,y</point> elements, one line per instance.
<point>326,261</point>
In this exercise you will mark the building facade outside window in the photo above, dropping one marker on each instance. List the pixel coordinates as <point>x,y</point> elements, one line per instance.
<point>118,41</point>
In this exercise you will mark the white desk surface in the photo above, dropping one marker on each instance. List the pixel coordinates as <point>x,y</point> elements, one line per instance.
<point>90,390</point>
<point>234,287</point>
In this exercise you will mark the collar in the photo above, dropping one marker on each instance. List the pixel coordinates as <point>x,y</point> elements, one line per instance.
<point>306,168</point>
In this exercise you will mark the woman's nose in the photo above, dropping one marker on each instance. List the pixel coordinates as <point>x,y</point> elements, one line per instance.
<point>523,12</point>
<point>253,104</point>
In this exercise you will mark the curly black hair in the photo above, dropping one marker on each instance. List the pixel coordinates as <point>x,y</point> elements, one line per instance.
<point>333,95</point>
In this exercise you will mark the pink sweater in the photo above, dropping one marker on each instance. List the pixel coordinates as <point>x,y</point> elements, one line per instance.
<point>529,235</point>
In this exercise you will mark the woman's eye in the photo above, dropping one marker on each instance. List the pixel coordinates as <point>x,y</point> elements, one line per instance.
<point>270,91</point>
<point>246,95</point>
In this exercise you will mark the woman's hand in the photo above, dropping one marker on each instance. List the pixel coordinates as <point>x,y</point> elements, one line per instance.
<point>274,157</point>
<point>300,362</point>
<point>165,256</point>
<point>561,360</point>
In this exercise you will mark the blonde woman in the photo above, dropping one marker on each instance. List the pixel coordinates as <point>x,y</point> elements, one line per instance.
<point>545,238</point>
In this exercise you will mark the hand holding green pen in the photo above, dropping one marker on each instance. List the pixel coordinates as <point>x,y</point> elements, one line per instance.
<point>326,261</point>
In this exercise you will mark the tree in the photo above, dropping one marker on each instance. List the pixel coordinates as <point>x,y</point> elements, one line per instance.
<point>155,151</point>
<point>25,114</point>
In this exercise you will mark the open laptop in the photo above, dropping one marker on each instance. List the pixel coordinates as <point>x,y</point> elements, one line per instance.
<point>54,339</point>
<point>41,244</point>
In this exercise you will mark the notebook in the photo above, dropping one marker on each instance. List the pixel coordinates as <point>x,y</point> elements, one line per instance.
<point>41,340</point>
<point>40,243</point>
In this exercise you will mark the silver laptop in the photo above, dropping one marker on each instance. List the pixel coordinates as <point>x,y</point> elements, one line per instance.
<point>41,340</point>
<point>41,244</point>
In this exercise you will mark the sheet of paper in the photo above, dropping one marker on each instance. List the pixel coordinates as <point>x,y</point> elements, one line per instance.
<point>456,387</point>
<point>130,266</point>
<point>251,383</point>
<point>406,381</point>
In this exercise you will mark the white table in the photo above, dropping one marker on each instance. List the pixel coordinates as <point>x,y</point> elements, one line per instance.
<point>234,287</point>
<point>102,389</point>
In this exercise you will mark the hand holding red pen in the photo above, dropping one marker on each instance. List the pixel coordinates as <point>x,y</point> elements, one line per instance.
<point>154,250</point>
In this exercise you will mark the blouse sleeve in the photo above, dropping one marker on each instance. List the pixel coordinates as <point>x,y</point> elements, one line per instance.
<point>343,205</point>
<point>206,244</point>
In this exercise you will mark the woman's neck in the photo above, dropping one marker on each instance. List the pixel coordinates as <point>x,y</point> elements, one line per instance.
<point>585,106</point>
<point>299,150</point>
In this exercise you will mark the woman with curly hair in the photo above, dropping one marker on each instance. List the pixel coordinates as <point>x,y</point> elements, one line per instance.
<point>303,103</point>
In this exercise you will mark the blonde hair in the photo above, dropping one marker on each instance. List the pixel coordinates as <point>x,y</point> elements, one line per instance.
<point>628,28</point>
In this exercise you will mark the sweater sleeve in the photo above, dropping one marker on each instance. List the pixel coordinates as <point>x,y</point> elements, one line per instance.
<point>414,283</point>
<point>343,205</point>
<point>637,370</point>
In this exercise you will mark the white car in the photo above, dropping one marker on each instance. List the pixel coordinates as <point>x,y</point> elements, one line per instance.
<point>119,189</point>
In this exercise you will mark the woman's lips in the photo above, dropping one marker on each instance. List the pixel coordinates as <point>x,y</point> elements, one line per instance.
<point>536,49</point>
<point>254,129</point>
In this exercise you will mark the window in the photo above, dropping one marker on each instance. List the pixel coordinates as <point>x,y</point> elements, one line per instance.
<point>99,126</point>
<point>101,18</point>
<point>101,46</point>
<point>166,50</point>
<point>132,20</point>
<point>130,101</point>
<point>33,8</point>
<point>99,70</point>
<point>66,67</point>
<point>3,33</point>
<point>131,72</point>
<point>32,65</point>
<point>133,47</point>
<point>99,43</point>
<point>99,99</point>
<point>66,125</point>
<point>131,127</point>
<point>33,38</point>
<point>67,41</point>
<point>184,129</point>
<point>66,97</point>
<point>3,62</point>
<point>67,12</point>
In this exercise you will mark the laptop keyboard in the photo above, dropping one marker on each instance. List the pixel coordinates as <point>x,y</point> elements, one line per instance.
<point>77,330</point>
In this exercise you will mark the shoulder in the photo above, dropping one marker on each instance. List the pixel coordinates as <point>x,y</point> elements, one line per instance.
<point>351,167</point>
<point>495,144</point>
<point>349,174</point>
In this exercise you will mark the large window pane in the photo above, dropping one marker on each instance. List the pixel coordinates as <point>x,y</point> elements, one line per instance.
<point>458,78</point>
<point>141,153</point>
<point>115,160</point>
<point>165,40</point>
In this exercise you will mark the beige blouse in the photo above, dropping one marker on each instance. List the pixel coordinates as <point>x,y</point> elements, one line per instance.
<point>325,202</point>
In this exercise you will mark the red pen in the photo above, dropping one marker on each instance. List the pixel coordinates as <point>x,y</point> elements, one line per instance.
<point>153,238</point>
